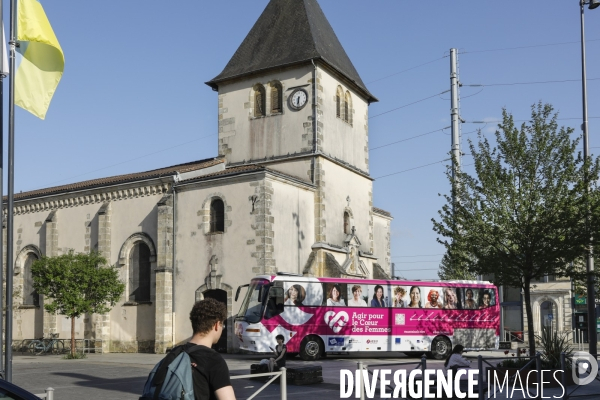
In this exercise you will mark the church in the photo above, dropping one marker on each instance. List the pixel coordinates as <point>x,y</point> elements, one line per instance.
<point>289,191</point>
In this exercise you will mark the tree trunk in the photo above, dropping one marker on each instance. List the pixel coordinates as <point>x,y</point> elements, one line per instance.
<point>529,313</point>
<point>72,336</point>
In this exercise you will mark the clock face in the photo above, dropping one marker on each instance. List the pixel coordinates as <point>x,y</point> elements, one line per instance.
<point>298,99</point>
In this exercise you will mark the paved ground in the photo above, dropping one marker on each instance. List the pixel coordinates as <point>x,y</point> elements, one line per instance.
<point>121,376</point>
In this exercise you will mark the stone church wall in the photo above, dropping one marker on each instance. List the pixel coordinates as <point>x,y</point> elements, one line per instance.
<point>347,141</point>
<point>244,137</point>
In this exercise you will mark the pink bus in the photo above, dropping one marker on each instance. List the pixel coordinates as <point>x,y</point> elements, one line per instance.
<point>330,315</point>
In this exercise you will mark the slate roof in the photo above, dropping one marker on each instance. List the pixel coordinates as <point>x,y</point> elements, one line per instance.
<point>382,212</point>
<point>290,32</point>
<point>138,176</point>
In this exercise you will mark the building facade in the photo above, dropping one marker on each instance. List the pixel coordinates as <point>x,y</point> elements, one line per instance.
<point>290,191</point>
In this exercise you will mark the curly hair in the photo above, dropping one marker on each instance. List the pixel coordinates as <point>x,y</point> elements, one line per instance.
<point>206,313</point>
<point>432,291</point>
<point>399,289</point>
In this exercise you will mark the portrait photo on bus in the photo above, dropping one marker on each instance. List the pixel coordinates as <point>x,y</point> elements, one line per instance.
<point>379,295</point>
<point>469,298</point>
<point>357,295</point>
<point>415,297</point>
<point>303,293</point>
<point>400,297</point>
<point>450,298</point>
<point>335,294</point>
<point>433,297</point>
<point>486,298</point>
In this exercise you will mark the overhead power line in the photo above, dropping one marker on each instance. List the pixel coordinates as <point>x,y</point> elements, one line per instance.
<point>416,262</point>
<point>409,104</point>
<point>409,138</point>
<point>412,169</point>
<point>132,159</point>
<point>527,47</point>
<point>417,270</point>
<point>528,83</point>
<point>420,255</point>
<point>406,70</point>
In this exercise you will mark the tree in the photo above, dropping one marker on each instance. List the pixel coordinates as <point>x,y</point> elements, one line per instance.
<point>77,284</point>
<point>454,266</point>
<point>526,213</point>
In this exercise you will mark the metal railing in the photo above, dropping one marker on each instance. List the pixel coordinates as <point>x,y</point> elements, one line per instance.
<point>361,367</point>
<point>563,366</point>
<point>534,361</point>
<point>81,345</point>
<point>47,395</point>
<point>282,383</point>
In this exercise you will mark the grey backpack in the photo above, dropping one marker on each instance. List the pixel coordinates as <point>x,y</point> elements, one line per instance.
<point>171,378</point>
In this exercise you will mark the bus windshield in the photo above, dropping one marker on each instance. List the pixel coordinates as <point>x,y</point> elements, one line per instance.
<point>251,309</point>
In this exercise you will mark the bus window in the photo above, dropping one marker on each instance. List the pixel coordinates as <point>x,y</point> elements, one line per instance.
<point>433,297</point>
<point>450,298</point>
<point>355,296</point>
<point>275,302</point>
<point>399,297</point>
<point>470,298</point>
<point>335,294</point>
<point>379,295</point>
<point>486,298</point>
<point>251,309</point>
<point>414,294</point>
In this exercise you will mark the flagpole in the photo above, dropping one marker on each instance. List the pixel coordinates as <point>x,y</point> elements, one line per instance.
<point>11,191</point>
<point>1,183</point>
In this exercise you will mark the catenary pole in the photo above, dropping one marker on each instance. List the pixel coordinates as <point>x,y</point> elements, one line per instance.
<point>455,143</point>
<point>591,297</point>
<point>11,190</point>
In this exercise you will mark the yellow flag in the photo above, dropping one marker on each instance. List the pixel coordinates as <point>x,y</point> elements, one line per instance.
<point>41,61</point>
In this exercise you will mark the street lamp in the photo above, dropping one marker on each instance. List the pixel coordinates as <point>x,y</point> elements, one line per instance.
<point>591,298</point>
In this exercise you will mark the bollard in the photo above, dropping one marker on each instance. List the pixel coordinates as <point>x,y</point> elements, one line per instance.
<point>283,383</point>
<point>480,377</point>
<point>360,380</point>
<point>50,394</point>
<point>563,366</point>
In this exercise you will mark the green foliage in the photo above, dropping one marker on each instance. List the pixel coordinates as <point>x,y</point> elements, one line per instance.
<point>77,284</point>
<point>553,344</point>
<point>524,213</point>
<point>517,362</point>
<point>74,356</point>
<point>455,267</point>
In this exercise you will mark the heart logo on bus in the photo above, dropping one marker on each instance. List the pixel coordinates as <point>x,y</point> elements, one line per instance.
<point>336,321</point>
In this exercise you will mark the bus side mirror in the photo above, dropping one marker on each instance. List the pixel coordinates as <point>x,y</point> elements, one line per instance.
<point>237,293</point>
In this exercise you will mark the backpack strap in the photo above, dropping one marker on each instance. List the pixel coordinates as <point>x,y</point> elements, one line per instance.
<point>161,373</point>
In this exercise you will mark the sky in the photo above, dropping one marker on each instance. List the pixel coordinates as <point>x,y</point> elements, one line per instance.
<point>133,98</point>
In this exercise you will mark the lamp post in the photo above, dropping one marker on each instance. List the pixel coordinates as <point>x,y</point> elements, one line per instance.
<point>591,303</point>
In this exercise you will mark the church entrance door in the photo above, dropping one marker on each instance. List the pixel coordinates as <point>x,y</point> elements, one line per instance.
<point>221,297</point>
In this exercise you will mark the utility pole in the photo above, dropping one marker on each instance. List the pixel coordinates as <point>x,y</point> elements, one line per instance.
<point>455,118</point>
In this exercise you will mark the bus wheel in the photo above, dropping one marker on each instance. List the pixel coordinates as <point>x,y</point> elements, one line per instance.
<point>441,347</point>
<point>311,348</point>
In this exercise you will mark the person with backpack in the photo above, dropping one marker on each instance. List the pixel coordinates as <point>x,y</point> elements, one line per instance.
<point>194,371</point>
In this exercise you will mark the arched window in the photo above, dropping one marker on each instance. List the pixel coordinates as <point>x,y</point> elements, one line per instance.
<point>276,92</point>
<point>346,223</point>
<point>348,108</point>
<point>217,215</point>
<point>30,296</point>
<point>338,102</point>
<point>259,101</point>
<point>139,273</point>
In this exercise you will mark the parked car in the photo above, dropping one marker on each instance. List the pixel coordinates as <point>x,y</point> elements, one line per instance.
<point>13,392</point>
